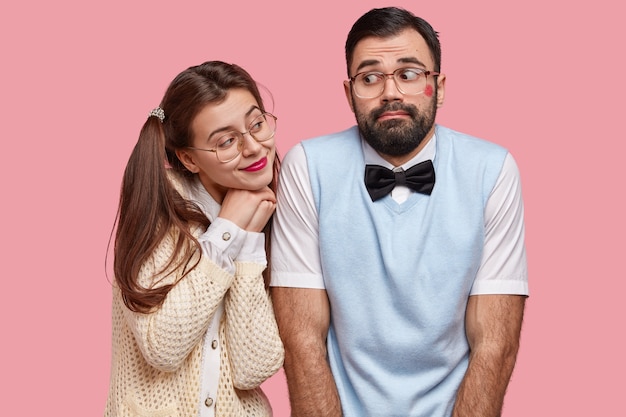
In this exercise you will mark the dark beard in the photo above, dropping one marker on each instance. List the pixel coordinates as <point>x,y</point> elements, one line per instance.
<point>396,137</point>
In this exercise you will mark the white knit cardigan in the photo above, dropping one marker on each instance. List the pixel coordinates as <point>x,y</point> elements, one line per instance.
<point>157,358</point>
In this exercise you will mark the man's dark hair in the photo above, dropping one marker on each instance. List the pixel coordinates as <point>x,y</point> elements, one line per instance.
<point>390,21</point>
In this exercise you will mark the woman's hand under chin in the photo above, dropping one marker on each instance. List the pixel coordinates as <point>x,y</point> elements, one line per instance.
<point>250,210</point>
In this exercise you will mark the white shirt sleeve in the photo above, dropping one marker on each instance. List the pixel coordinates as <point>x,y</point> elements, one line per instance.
<point>224,243</point>
<point>503,267</point>
<point>295,241</point>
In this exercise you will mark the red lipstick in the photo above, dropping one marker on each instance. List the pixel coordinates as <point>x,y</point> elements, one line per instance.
<point>258,165</point>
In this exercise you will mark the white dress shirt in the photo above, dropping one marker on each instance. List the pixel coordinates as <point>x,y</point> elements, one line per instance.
<point>224,243</point>
<point>296,261</point>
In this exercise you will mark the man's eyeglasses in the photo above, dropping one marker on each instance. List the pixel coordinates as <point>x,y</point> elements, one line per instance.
<point>229,145</point>
<point>371,84</point>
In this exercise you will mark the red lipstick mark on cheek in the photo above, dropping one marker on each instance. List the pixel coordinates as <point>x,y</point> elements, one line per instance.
<point>428,91</point>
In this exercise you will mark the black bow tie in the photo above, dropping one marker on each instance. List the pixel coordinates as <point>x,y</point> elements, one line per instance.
<point>380,180</point>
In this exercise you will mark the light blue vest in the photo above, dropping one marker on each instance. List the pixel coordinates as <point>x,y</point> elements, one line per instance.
<point>398,276</point>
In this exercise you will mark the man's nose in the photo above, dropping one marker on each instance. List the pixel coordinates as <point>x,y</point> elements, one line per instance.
<point>390,89</point>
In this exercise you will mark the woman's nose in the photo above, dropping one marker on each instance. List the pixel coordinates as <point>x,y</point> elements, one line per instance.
<point>249,144</point>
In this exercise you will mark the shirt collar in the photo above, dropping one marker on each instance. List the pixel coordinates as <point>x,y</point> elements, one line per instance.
<point>200,196</point>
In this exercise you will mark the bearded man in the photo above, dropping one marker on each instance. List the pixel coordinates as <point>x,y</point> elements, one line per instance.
<point>398,259</point>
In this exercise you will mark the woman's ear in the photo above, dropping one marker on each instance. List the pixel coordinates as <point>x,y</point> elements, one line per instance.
<point>187,159</point>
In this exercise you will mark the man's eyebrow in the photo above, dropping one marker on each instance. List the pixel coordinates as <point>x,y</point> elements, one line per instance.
<point>411,60</point>
<point>404,60</point>
<point>367,63</point>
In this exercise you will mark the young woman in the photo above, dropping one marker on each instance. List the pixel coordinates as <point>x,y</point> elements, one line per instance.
<point>193,328</point>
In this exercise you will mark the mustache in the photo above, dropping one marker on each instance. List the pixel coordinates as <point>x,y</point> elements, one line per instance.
<point>410,109</point>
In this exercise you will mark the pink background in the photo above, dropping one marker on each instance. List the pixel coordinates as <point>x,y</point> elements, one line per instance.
<point>78,78</point>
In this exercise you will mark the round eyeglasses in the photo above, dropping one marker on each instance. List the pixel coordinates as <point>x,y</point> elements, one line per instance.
<point>371,84</point>
<point>230,144</point>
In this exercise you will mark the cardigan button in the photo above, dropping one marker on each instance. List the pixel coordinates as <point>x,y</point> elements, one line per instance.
<point>208,402</point>
<point>214,344</point>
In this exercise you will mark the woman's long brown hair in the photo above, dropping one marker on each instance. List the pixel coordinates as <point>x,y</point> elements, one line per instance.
<point>150,208</point>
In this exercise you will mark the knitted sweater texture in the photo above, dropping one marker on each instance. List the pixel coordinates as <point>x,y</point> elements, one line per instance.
<point>157,358</point>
